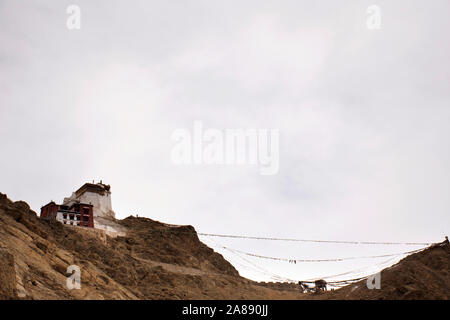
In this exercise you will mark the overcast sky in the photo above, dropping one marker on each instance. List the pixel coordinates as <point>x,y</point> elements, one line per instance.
<point>363,117</point>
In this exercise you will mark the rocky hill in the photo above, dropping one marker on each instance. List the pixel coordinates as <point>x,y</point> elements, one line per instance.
<point>153,261</point>
<point>423,275</point>
<point>159,261</point>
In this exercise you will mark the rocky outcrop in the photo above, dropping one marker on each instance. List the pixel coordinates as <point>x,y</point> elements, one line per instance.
<point>7,275</point>
<point>150,261</point>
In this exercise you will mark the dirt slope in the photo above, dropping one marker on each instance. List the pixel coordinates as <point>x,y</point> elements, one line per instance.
<point>154,261</point>
<point>159,261</point>
<point>424,275</point>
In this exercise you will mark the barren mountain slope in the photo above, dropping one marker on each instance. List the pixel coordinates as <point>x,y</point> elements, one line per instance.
<point>423,275</point>
<point>159,261</point>
<point>154,261</point>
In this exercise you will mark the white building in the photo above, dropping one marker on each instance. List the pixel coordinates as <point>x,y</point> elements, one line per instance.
<point>96,194</point>
<point>89,206</point>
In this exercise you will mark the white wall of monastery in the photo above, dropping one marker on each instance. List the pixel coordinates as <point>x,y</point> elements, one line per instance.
<point>102,204</point>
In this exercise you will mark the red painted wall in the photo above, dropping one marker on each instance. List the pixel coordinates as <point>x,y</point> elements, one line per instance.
<point>87,212</point>
<point>48,210</point>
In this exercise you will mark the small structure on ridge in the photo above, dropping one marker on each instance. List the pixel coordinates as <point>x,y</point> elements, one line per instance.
<point>89,204</point>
